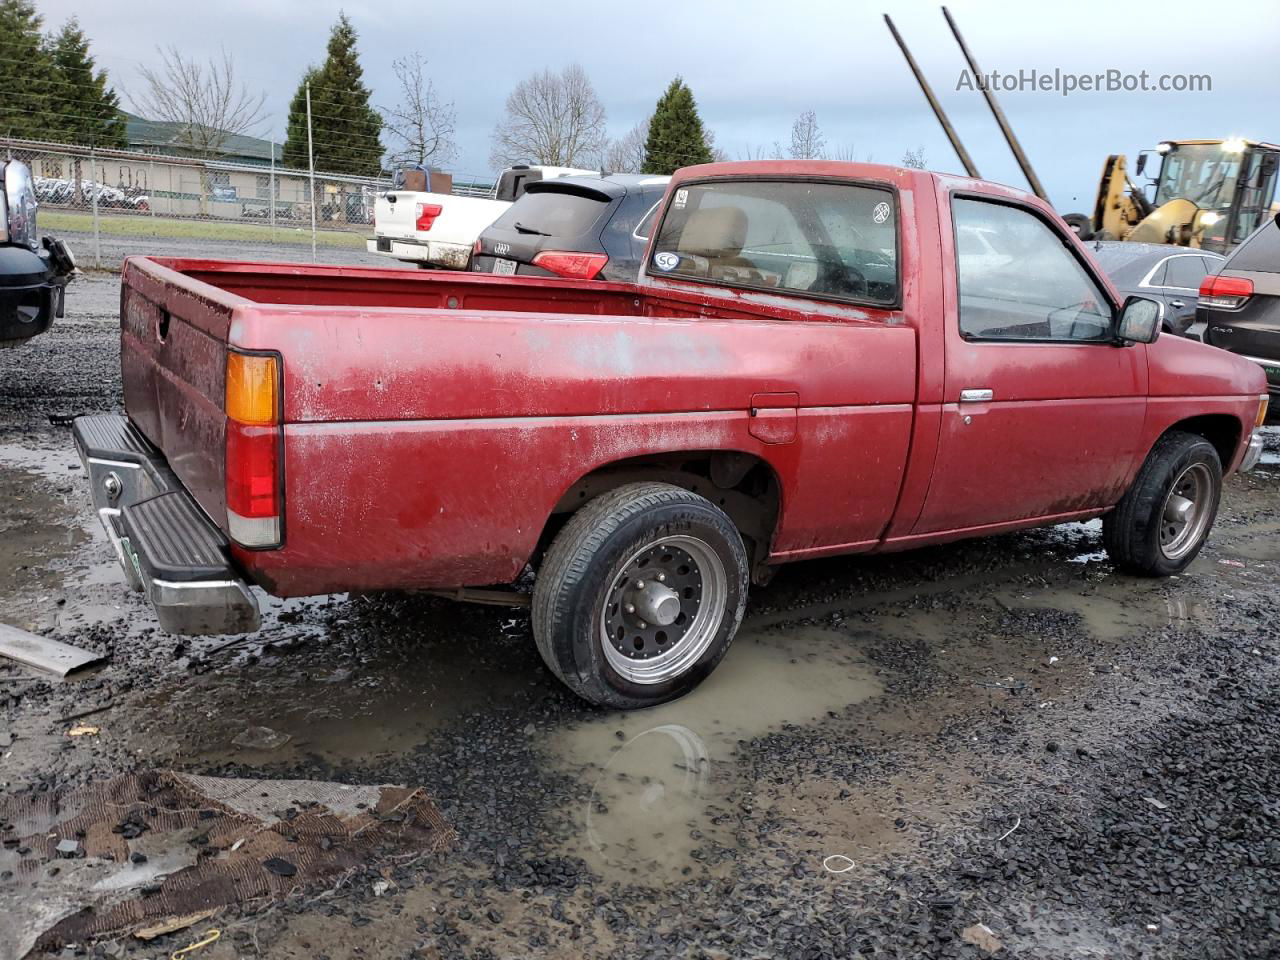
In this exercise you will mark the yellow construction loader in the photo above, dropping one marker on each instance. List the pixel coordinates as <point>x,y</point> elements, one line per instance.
<point>1207,193</point>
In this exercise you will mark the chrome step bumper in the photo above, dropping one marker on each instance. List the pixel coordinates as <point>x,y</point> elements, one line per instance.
<point>169,549</point>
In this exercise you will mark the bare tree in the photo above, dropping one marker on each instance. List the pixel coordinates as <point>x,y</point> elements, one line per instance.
<point>807,142</point>
<point>849,154</point>
<point>761,152</point>
<point>204,100</point>
<point>551,118</point>
<point>718,154</point>
<point>421,122</point>
<point>915,159</point>
<point>626,154</point>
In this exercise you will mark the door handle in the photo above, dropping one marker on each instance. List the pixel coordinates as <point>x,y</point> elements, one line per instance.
<point>1176,303</point>
<point>976,395</point>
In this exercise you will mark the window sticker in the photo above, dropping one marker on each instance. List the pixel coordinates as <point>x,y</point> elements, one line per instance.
<point>881,212</point>
<point>666,261</point>
<point>682,197</point>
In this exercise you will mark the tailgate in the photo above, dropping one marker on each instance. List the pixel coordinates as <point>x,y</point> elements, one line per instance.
<point>393,213</point>
<point>173,360</point>
<point>457,220</point>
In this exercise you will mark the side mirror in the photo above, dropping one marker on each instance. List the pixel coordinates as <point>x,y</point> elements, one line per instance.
<point>1142,163</point>
<point>1140,320</point>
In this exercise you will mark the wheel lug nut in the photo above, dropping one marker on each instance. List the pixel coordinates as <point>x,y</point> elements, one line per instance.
<point>662,578</point>
<point>639,584</point>
<point>641,624</point>
<point>631,608</point>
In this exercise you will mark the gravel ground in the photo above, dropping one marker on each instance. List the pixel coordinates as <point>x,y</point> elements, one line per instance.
<point>1002,732</point>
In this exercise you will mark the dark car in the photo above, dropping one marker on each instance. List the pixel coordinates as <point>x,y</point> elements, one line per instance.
<point>1158,271</point>
<point>1240,307</point>
<point>593,227</point>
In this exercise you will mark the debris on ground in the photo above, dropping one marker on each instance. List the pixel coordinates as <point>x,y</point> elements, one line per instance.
<point>42,653</point>
<point>84,730</point>
<point>206,839</point>
<point>261,738</point>
<point>173,924</point>
<point>982,937</point>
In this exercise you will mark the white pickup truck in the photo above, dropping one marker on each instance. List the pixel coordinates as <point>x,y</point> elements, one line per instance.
<point>439,230</point>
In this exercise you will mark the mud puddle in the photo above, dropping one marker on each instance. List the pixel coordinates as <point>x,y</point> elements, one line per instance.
<point>1111,610</point>
<point>348,697</point>
<point>54,560</point>
<point>661,777</point>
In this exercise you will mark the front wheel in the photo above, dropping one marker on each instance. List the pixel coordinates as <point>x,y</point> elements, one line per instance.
<point>1161,523</point>
<point>640,595</point>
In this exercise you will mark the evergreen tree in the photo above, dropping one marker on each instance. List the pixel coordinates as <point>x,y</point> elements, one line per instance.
<point>676,136</point>
<point>345,128</point>
<point>26,74</point>
<point>295,142</point>
<point>83,109</point>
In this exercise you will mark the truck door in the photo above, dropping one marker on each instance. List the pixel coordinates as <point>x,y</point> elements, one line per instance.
<point>1041,412</point>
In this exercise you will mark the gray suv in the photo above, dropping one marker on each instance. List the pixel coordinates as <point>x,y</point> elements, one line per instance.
<point>1240,306</point>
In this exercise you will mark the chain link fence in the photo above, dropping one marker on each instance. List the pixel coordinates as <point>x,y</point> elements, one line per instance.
<point>106,193</point>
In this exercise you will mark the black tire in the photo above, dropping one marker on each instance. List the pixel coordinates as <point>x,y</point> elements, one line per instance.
<point>1134,531</point>
<point>584,566</point>
<point>1080,224</point>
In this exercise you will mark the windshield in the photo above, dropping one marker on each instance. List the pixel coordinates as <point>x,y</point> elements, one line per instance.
<point>823,239</point>
<point>553,213</point>
<point>1203,173</point>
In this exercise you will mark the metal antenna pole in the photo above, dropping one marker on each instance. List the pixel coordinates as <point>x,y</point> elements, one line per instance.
<point>938,112</point>
<point>271,192</point>
<point>311,163</point>
<point>987,92</point>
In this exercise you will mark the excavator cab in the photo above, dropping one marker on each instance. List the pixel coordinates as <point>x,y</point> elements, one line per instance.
<point>1207,193</point>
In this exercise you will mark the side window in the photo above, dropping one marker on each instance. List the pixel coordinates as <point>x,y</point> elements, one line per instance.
<point>1185,272</point>
<point>645,226</point>
<point>1022,283</point>
<point>1261,252</point>
<point>1159,274</point>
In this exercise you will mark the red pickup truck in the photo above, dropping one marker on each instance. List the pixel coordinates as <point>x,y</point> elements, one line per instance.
<point>817,358</point>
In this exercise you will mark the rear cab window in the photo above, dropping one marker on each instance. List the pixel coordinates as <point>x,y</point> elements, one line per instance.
<point>554,213</point>
<point>820,239</point>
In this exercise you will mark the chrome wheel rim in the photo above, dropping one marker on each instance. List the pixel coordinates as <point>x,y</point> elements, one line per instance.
<point>663,609</point>
<point>1185,515</point>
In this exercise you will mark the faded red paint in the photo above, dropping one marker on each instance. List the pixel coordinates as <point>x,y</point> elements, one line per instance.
<point>433,420</point>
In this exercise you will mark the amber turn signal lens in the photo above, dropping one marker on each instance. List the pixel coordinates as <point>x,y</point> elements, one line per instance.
<point>253,388</point>
<point>1262,410</point>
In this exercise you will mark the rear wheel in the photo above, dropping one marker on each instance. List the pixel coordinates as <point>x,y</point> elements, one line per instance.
<point>1161,523</point>
<point>640,595</point>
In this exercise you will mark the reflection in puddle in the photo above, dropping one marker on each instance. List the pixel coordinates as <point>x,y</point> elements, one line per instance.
<point>661,776</point>
<point>1113,611</point>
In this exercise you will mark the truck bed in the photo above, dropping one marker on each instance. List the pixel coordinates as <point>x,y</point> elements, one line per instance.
<point>437,388</point>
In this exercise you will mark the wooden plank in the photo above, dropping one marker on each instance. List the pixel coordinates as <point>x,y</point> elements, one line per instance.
<point>43,653</point>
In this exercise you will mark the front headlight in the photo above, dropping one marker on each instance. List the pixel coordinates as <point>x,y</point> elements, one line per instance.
<point>20,203</point>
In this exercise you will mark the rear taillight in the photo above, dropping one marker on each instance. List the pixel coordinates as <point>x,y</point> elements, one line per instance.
<point>478,247</point>
<point>254,438</point>
<point>1225,293</point>
<point>577,266</point>
<point>424,215</point>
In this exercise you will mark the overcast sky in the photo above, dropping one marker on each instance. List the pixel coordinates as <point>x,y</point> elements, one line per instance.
<point>754,65</point>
